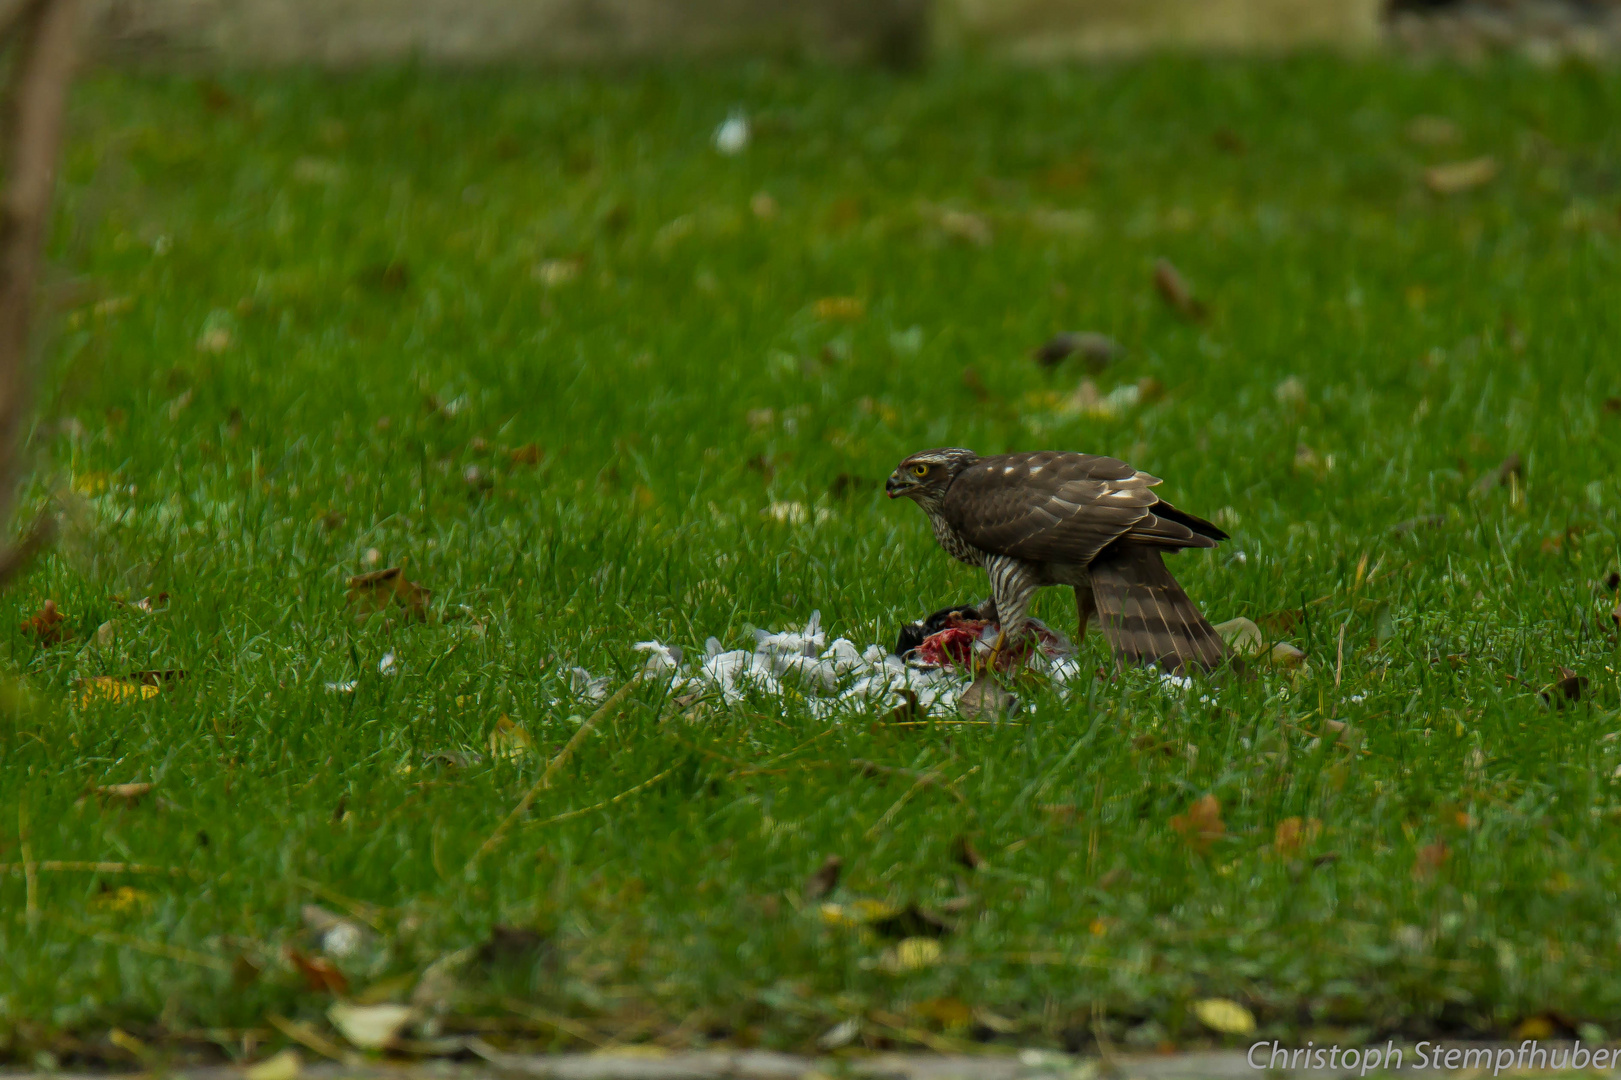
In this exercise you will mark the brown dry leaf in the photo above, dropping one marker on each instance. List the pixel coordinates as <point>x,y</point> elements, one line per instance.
<point>947,1012</point>
<point>912,922</point>
<point>1429,860</point>
<point>320,974</point>
<point>46,625</point>
<point>846,308</point>
<point>527,454</point>
<point>964,854</point>
<point>1098,351</point>
<point>1294,833</point>
<point>111,688</point>
<point>1568,690</point>
<point>509,740</point>
<point>825,879</point>
<point>1457,176</point>
<point>1201,826</point>
<point>374,592</point>
<point>1176,291</point>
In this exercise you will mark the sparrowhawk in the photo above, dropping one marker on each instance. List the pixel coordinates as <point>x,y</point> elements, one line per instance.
<point>1058,518</point>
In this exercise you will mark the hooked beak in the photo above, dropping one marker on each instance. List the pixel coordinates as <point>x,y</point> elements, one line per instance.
<point>896,485</point>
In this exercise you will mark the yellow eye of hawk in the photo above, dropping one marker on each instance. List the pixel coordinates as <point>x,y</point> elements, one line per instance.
<point>920,470</point>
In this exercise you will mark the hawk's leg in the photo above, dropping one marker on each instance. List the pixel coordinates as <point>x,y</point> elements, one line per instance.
<point>1086,606</point>
<point>1013,583</point>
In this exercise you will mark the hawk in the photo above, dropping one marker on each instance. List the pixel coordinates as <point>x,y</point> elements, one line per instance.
<point>1058,518</point>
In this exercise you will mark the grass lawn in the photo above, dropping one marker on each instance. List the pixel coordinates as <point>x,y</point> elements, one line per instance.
<point>533,338</point>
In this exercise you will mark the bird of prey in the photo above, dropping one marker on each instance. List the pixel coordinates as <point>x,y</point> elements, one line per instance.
<point>1058,518</point>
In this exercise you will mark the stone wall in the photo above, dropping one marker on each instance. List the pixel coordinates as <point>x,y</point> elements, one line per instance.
<point>470,32</point>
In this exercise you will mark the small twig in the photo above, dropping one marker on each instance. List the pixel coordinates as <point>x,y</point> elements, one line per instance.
<point>623,795</point>
<point>545,780</point>
<point>304,1034</point>
<point>560,1023</point>
<point>59,865</point>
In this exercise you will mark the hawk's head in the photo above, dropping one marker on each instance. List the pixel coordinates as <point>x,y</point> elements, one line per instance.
<point>925,476</point>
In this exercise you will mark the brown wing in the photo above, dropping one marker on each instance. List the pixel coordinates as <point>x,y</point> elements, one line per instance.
<point>1064,508</point>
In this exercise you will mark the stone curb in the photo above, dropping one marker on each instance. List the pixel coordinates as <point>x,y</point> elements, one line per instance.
<point>767,1065</point>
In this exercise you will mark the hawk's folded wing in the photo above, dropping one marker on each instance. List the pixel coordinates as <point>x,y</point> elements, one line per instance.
<point>1063,508</point>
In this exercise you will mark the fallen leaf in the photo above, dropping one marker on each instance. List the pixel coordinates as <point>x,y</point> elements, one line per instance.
<point>1291,394</point>
<point>375,591</point>
<point>964,854</point>
<point>911,922</point>
<point>1567,690</point>
<point>1225,1016</point>
<point>124,898</point>
<point>825,879</point>
<point>1173,287</point>
<point>320,974</point>
<point>965,226</point>
<point>46,625</point>
<point>111,688</point>
<point>527,454</point>
<point>1098,351</point>
<point>370,1027</point>
<point>1535,1028</point>
<point>1294,833</point>
<point>510,741</point>
<point>285,1065</point>
<point>1201,826</point>
<point>1286,656</point>
<point>857,913</point>
<point>847,308</point>
<point>1429,860</point>
<point>513,945</point>
<point>128,794</point>
<point>911,954</point>
<point>841,1034</point>
<point>1459,176</point>
<point>947,1012</point>
<point>1241,635</point>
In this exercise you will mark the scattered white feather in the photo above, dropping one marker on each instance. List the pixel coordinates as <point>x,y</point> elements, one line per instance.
<point>732,136</point>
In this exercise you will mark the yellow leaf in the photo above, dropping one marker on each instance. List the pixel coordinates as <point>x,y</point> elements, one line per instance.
<point>840,307</point>
<point>1534,1027</point>
<point>107,688</point>
<point>508,740</point>
<point>123,898</point>
<point>1225,1016</point>
<point>283,1066</point>
<point>370,1027</point>
<point>910,954</point>
<point>856,913</point>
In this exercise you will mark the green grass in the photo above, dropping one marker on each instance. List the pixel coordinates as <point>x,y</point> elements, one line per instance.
<point>253,274</point>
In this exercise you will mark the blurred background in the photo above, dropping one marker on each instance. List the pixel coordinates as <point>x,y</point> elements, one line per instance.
<point>894,32</point>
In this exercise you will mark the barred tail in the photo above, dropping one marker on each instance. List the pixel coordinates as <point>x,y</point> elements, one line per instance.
<point>1145,614</point>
